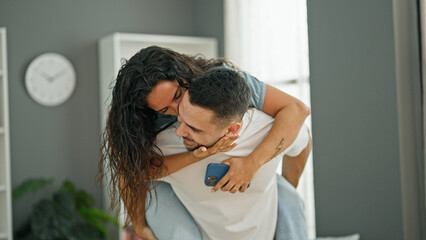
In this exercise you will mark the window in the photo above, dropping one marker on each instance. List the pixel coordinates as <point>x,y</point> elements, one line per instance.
<point>268,39</point>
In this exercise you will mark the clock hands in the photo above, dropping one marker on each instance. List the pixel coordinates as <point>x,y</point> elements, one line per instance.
<point>44,75</point>
<point>58,74</point>
<point>51,78</point>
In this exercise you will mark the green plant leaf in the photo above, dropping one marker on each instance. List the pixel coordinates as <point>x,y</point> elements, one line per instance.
<point>30,185</point>
<point>81,197</point>
<point>104,216</point>
<point>90,217</point>
<point>42,220</point>
<point>65,214</point>
<point>54,218</point>
<point>68,186</point>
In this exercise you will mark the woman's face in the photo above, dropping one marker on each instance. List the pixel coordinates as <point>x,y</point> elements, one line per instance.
<point>165,97</point>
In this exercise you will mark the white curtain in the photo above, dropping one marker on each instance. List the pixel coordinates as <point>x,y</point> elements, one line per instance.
<point>268,39</point>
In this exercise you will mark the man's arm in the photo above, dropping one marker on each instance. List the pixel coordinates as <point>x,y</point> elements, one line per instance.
<point>293,167</point>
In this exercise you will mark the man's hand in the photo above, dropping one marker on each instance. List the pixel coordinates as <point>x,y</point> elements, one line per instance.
<point>224,144</point>
<point>241,172</point>
<point>145,233</point>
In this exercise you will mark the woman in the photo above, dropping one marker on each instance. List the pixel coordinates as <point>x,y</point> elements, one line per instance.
<point>145,97</point>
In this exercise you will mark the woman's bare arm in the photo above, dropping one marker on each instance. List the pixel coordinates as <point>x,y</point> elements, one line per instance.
<point>290,114</point>
<point>175,162</point>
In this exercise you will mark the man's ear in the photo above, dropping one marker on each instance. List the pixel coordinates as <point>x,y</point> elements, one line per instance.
<point>234,127</point>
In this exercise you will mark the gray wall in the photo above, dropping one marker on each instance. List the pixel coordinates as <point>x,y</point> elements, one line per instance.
<point>63,142</point>
<point>357,145</point>
<point>210,20</point>
<point>366,126</point>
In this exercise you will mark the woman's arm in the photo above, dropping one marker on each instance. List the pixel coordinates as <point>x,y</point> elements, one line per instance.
<point>290,114</point>
<point>175,162</point>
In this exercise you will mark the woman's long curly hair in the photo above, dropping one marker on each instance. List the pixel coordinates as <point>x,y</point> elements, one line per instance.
<point>129,156</point>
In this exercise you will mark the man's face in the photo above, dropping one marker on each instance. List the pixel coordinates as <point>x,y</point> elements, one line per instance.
<point>196,125</point>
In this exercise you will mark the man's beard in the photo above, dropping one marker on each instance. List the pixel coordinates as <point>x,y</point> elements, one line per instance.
<point>191,149</point>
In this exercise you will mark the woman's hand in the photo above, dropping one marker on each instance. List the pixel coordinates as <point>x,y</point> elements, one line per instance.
<point>175,162</point>
<point>224,144</point>
<point>241,172</point>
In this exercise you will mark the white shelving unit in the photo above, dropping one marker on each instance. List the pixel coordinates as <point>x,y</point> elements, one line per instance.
<point>5,186</point>
<point>118,46</point>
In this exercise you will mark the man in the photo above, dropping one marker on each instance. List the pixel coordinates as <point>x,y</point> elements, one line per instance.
<point>217,104</point>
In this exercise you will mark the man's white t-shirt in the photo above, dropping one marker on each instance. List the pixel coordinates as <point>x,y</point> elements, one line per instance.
<point>223,215</point>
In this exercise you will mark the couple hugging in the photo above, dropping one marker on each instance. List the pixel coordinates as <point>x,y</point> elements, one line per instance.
<point>219,120</point>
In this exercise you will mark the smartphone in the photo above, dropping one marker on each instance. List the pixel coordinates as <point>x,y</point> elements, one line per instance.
<point>215,172</point>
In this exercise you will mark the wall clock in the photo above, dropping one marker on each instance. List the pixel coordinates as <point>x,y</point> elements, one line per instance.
<point>50,79</point>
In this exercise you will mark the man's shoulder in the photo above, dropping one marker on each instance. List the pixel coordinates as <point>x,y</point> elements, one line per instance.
<point>256,116</point>
<point>255,124</point>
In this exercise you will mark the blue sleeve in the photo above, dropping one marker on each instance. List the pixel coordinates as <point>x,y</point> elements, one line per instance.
<point>258,90</point>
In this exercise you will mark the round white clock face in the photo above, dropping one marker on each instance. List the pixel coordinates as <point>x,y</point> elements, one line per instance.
<point>50,79</point>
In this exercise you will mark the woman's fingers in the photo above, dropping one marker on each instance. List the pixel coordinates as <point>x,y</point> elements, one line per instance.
<point>229,147</point>
<point>200,153</point>
<point>224,144</point>
<point>227,143</point>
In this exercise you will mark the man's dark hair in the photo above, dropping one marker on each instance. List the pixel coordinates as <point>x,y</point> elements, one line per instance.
<point>223,91</point>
